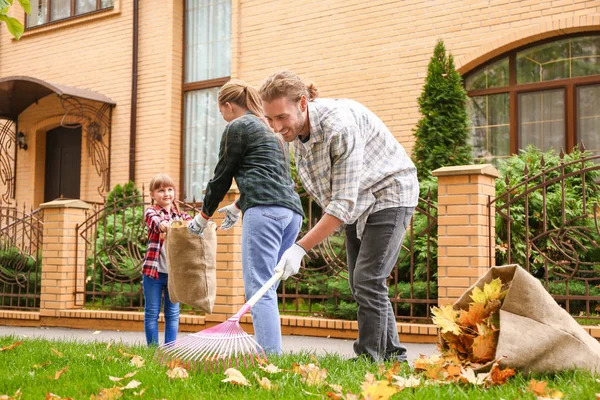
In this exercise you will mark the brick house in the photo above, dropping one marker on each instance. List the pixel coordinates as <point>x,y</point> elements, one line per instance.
<point>126,89</point>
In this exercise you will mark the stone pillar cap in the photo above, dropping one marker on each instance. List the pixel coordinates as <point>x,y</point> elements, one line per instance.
<point>66,203</point>
<point>476,169</point>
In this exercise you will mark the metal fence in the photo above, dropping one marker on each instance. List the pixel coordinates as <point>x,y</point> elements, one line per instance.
<point>321,288</point>
<point>548,223</point>
<point>21,235</point>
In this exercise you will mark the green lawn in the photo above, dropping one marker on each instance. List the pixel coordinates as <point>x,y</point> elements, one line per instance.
<point>32,367</point>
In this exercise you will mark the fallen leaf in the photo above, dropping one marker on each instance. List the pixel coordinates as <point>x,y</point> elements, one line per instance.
<point>59,373</point>
<point>468,375</point>
<point>130,374</point>
<point>114,378</point>
<point>134,384</point>
<point>58,353</point>
<point>36,366</point>
<point>498,376</point>
<point>236,377</point>
<point>90,355</point>
<point>177,373</point>
<point>108,346</point>
<point>445,318</point>
<point>271,369</point>
<point>50,396</point>
<point>108,394</point>
<point>11,346</point>
<point>411,381</point>
<point>16,396</point>
<point>311,374</point>
<point>137,361</point>
<point>264,382</point>
<point>140,393</point>
<point>538,388</point>
<point>380,390</point>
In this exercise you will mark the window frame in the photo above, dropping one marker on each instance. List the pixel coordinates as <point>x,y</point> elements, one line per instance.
<point>49,21</point>
<point>569,85</point>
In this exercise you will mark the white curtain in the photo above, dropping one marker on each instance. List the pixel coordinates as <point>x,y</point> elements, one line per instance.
<point>207,39</point>
<point>84,6</point>
<point>60,9</point>
<point>203,127</point>
<point>208,56</point>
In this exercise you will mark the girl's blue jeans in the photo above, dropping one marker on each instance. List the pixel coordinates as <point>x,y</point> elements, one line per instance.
<point>153,295</point>
<point>267,231</point>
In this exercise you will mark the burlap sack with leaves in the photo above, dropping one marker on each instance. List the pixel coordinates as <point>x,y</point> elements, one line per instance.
<point>192,262</point>
<point>536,334</point>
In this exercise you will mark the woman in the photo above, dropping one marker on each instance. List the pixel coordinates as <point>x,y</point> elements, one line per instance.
<point>252,154</point>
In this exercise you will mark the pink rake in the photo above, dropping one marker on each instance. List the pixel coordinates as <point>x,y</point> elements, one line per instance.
<point>221,346</point>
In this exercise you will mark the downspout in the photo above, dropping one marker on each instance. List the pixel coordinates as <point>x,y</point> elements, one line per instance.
<point>134,90</point>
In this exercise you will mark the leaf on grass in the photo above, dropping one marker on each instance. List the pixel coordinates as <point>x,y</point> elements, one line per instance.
<point>270,368</point>
<point>236,377</point>
<point>90,355</point>
<point>264,382</point>
<point>498,376</point>
<point>445,318</point>
<point>178,373</point>
<point>380,390</point>
<point>178,363</point>
<point>114,378</point>
<point>58,353</point>
<point>130,374</point>
<point>108,346</point>
<point>16,396</point>
<point>137,361</point>
<point>394,370</point>
<point>11,346</point>
<point>311,374</point>
<point>474,316</point>
<point>140,393</point>
<point>133,384</point>
<point>51,396</point>
<point>484,347</point>
<point>36,366</point>
<point>542,391</point>
<point>108,394</point>
<point>468,375</point>
<point>411,381</point>
<point>59,373</point>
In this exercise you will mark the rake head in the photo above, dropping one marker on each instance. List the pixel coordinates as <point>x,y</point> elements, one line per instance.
<point>220,347</point>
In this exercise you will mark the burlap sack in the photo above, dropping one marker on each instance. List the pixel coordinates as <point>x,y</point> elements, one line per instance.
<point>536,334</point>
<point>192,262</point>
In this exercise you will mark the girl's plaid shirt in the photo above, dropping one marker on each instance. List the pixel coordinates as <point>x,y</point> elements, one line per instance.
<point>154,216</point>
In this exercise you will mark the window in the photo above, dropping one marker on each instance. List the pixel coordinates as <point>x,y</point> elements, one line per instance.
<point>45,11</point>
<point>547,95</point>
<point>207,68</point>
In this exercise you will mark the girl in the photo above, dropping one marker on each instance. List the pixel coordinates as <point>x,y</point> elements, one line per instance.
<point>155,272</point>
<point>252,154</point>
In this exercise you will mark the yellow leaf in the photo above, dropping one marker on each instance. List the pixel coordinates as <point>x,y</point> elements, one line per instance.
<point>134,384</point>
<point>236,377</point>
<point>380,390</point>
<point>491,291</point>
<point>137,361</point>
<point>11,346</point>
<point>311,374</point>
<point>271,369</point>
<point>58,353</point>
<point>108,394</point>
<point>265,383</point>
<point>59,373</point>
<point>177,373</point>
<point>402,383</point>
<point>445,318</point>
<point>468,375</point>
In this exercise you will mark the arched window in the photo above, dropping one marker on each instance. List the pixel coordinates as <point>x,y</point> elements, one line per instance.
<point>547,94</point>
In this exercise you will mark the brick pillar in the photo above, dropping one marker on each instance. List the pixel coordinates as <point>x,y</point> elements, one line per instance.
<point>59,255</point>
<point>463,228</point>
<point>230,283</point>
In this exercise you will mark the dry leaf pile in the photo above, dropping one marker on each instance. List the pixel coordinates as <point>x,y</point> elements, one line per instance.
<point>470,337</point>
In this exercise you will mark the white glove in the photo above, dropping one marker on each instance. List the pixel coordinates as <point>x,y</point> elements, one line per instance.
<point>290,261</point>
<point>198,224</point>
<point>232,214</point>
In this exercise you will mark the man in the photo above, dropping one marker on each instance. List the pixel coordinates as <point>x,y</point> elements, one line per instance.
<point>361,176</point>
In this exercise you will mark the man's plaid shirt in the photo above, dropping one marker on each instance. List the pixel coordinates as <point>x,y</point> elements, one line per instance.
<point>154,216</point>
<point>354,166</point>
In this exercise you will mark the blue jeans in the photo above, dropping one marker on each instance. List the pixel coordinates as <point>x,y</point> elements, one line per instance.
<point>371,260</point>
<point>153,294</point>
<point>267,231</point>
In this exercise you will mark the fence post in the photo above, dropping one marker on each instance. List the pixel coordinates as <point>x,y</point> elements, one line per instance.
<point>464,233</point>
<point>59,255</point>
<point>230,283</point>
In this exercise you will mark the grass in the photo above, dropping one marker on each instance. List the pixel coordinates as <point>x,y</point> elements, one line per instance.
<point>86,376</point>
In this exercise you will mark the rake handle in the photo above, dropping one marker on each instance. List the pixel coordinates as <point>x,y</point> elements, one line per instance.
<point>261,292</point>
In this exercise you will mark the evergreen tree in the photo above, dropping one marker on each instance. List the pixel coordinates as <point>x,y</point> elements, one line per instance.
<point>442,135</point>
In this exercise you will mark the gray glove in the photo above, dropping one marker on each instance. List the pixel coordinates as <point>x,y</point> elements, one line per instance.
<point>232,214</point>
<point>198,224</point>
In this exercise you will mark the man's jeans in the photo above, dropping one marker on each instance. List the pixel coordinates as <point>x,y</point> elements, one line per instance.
<point>267,231</point>
<point>370,262</point>
<point>153,294</point>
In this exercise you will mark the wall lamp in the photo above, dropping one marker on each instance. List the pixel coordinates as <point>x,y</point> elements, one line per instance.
<point>21,141</point>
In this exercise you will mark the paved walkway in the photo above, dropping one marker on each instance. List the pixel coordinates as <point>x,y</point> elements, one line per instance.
<point>294,344</point>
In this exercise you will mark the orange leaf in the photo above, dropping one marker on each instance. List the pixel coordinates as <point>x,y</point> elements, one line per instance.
<point>474,316</point>
<point>499,377</point>
<point>12,346</point>
<point>58,353</point>
<point>59,373</point>
<point>484,347</point>
<point>537,387</point>
<point>380,390</point>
